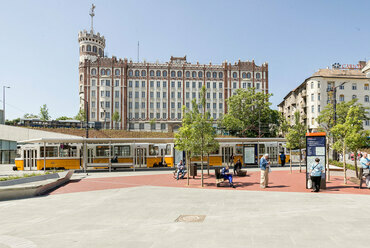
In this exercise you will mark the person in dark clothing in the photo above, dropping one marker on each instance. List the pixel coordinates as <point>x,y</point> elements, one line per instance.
<point>237,166</point>
<point>282,159</point>
<point>227,175</point>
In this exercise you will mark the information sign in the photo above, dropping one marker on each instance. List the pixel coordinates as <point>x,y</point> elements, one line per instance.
<point>315,148</point>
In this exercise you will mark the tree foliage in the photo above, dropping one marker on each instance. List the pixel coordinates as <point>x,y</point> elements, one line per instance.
<point>44,113</point>
<point>81,115</point>
<point>30,116</point>
<point>63,118</point>
<point>249,115</point>
<point>196,136</point>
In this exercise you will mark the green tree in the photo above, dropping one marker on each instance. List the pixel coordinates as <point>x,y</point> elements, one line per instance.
<point>326,122</point>
<point>44,113</point>
<point>63,118</point>
<point>249,115</point>
<point>13,122</point>
<point>346,134</point>
<point>184,138</point>
<point>296,137</point>
<point>116,118</point>
<point>196,136</point>
<point>152,122</point>
<point>30,116</point>
<point>81,115</point>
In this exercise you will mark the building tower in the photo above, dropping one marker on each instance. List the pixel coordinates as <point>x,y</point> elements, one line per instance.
<point>91,45</point>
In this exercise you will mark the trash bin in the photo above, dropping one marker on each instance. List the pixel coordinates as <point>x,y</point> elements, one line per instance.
<point>193,170</point>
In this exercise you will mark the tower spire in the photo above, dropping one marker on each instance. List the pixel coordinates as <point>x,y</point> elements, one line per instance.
<point>92,14</point>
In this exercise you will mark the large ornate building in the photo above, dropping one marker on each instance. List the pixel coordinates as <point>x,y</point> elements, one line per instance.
<point>150,96</point>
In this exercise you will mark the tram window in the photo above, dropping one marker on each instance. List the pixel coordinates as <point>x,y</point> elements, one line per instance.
<point>102,151</point>
<point>51,151</point>
<point>168,149</point>
<point>68,151</point>
<point>122,151</point>
<point>262,149</point>
<point>153,150</point>
<point>19,153</point>
<point>239,150</point>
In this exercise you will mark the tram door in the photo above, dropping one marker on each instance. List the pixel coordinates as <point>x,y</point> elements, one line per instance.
<point>30,159</point>
<point>227,151</point>
<point>90,155</point>
<point>140,157</point>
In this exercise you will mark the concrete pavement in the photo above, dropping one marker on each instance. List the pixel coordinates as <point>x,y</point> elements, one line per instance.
<point>144,216</point>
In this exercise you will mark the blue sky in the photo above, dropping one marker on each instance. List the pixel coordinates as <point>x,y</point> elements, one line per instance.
<point>39,48</point>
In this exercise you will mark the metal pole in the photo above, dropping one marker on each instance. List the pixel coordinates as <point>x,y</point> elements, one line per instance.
<point>110,156</point>
<point>87,119</point>
<point>44,157</point>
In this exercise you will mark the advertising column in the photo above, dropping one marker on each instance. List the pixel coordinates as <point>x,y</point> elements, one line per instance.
<point>316,148</point>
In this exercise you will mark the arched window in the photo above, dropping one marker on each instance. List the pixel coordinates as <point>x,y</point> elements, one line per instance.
<point>194,74</point>
<point>164,73</point>
<point>100,52</point>
<point>151,73</point>
<point>179,74</point>
<point>108,72</point>
<point>354,96</point>
<point>341,98</point>
<point>249,75</point>
<point>366,98</point>
<point>200,74</point>
<point>88,48</point>
<point>158,73</point>
<point>117,72</point>
<point>93,71</point>
<point>102,72</point>
<point>81,77</point>
<point>137,73</point>
<point>244,75</point>
<point>214,74</point>
<point>143,73</point>
<point>173,74</point>
<point>220,75</point>
<point>235,75</point>
<point>83,48</point>
<point>208,74</point>
<point>130,73</point>
<point>188,74</point>
<point>258,75</point>
<point>95,49</point>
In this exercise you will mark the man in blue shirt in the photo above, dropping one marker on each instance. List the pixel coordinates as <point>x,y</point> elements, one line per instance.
<point>365,163</point>
<point>316,170</point>
<point>264,166</point>
<point>282,159</point>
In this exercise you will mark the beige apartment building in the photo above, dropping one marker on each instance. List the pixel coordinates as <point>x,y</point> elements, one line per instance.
<point>316,91</point>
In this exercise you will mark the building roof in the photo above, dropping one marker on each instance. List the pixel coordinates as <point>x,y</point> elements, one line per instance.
<point>339,73</point>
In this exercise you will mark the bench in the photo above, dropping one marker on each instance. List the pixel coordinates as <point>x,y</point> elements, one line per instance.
<point>219,179</point>
<point>113,165</point>
<point>361,178</point>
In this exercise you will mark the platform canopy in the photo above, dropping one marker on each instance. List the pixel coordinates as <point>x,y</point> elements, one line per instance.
<point>141,140</point>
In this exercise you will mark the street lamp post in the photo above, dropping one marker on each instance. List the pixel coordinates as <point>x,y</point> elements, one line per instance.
<point>4,87</point>
<point>87,117</point>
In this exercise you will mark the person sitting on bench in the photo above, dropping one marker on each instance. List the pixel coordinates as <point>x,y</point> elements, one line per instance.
<point>237,167</point>
<point>227,175</point>
<point>180,169</point>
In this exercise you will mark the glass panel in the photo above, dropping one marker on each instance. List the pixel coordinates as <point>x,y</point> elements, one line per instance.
<point>122,151</point>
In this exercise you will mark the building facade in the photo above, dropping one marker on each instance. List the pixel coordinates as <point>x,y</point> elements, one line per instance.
<point>150,96</point>
<point>310,97</point>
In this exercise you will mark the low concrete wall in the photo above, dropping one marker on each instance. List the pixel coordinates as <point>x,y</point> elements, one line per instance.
<point>32,186</point>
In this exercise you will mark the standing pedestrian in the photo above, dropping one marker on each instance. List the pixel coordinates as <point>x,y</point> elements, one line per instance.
<point>282,159</point>
<point>365,163</point>
<point>264,166</point>
<point>316,170</point>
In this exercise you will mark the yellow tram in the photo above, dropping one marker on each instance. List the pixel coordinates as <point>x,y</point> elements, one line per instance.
<point>113,153</point>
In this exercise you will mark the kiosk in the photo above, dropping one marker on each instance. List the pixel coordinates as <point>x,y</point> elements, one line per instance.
<point>316,148</point>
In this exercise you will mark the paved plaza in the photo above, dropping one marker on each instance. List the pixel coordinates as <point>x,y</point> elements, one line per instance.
<point>140,209</point>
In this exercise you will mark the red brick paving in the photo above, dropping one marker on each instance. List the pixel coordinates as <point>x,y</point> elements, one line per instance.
<point>280,181</point>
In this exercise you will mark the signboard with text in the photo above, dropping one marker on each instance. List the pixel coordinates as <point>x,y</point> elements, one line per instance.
<point>315,148</point>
